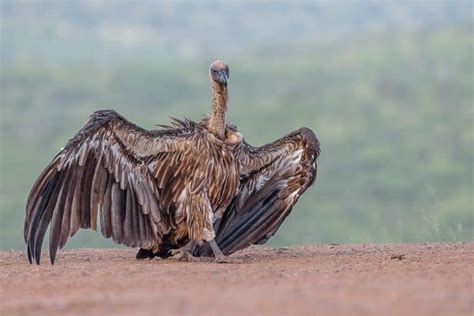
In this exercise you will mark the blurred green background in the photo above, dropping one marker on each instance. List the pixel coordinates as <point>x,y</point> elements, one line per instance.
<point>386,86</point>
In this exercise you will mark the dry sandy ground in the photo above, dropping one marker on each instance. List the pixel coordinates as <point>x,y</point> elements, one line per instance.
<point>408,279</point>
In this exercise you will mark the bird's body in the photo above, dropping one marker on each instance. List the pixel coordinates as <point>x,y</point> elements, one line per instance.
<point>171,188</point>
<point>203,180</point>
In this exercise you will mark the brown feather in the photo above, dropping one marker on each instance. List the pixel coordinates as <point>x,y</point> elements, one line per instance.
<point>90,165</point>
<point>116,212</point>
<point>128,235</point>
<point>57,182</point>
<point>135,213</point>
<point>99,180</point>
<point>106,216</point>
<point>66,218</point>
<point>56,221</point>
<point>76,202</point>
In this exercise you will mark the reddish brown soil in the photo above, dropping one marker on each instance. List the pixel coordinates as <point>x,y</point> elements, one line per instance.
<point>401,279</point>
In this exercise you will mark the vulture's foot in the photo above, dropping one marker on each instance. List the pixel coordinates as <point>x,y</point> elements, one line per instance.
<point>145,254</point>
<point>219,257</point>
<point>226,259</point>
<point>184,255</point>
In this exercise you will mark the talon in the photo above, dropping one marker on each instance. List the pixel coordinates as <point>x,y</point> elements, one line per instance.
<point>225,259</point>
<point>184,255</point>
<point>175,252</point>
<point>219,259</point>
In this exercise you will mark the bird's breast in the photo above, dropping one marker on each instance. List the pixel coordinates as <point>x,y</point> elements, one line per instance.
<point>223,177</point>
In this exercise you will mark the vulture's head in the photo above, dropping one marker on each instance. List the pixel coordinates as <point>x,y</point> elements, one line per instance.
<point>219,73</point>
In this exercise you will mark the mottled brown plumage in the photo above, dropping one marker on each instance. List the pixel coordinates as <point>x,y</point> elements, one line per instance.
<point>164,189</point>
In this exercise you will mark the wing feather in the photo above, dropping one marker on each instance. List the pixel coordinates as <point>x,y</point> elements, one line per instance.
<point>99,182</point>
<point>76,202</point>
<point>128,220</point>
<point>116,212</point>
<point>135,218</point>
<point>56,221</point>
<point>46,217</point>
<point>106,219</point>
<point>66,218</point>
<point>86,194</point>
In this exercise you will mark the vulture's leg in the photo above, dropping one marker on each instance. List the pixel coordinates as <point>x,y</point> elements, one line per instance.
<point>218,255</point>
<point>199,225</point>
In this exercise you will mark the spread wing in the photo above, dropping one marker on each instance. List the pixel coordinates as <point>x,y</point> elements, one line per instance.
<point>273,178</point>
<point>113,171</point>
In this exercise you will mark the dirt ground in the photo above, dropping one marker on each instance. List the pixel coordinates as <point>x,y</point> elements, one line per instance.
<point>396,279</point>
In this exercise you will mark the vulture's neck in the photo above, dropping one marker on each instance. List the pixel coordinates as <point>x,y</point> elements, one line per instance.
<point>219,108</point>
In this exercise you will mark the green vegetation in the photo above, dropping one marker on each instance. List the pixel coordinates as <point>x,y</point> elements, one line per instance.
<point>393,111</point>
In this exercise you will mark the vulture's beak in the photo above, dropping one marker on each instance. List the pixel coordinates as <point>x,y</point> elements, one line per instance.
<point>223,78</point>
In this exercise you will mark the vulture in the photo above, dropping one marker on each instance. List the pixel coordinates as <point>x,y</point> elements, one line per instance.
<point>190,189</point>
